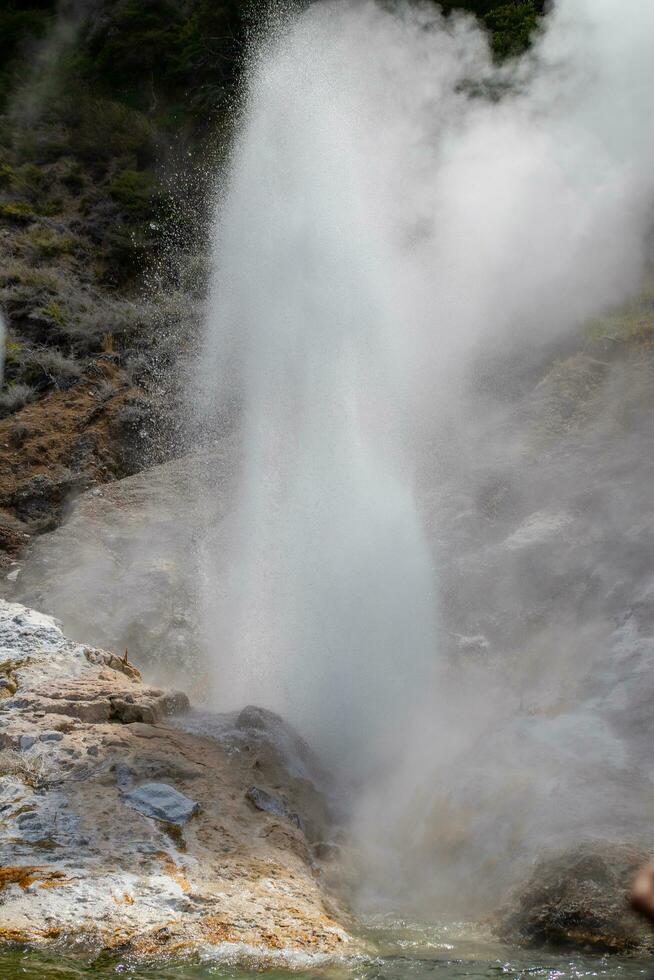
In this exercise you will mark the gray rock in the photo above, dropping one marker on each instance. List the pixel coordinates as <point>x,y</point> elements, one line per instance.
<point>268,803</point>
<point>51,736</point>
<point>162,802</point>
<point>580,898</point>
<point>27,741</point>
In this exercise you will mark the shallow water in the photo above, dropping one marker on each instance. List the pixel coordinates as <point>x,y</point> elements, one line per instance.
<point>406,952</point>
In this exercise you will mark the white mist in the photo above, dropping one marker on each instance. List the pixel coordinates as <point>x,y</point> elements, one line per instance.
<point>379,228</point>
<point>327,615</point>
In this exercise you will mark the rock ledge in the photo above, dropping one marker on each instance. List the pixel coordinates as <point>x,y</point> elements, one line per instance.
<point>123,832</point>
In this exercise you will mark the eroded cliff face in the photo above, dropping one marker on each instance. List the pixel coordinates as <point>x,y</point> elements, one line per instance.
<point>124,829</point>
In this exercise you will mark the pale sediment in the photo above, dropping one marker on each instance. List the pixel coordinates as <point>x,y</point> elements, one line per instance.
<point>122,831</point>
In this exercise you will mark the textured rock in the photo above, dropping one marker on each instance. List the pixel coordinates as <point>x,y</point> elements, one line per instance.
<point>162,802</point>
<point>271,804</point>
<point>59,446</point>
<point>123,570</point>
<point>97,841</point>
<point>580,898</point>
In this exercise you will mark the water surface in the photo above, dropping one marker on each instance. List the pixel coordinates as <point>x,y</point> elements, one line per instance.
<point>406,952</point>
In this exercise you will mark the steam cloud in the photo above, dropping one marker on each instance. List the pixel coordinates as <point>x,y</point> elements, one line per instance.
<point>398,207</point>
<point>384,225</point>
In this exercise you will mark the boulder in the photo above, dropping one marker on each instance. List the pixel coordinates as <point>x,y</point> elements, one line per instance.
<point>162,802</point>
<point>123,570</point>
<point>579,898</point>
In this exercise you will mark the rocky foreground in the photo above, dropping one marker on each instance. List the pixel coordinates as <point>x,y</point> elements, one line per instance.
<point>122,830</point>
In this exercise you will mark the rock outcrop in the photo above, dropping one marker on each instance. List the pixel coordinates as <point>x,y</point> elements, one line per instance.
<point>580,899</point>
<point>126,830</point>
<point>124,570</point>
<point>67,441</point>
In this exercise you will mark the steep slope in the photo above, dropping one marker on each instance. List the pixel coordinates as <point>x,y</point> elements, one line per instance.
<point>114,118</point>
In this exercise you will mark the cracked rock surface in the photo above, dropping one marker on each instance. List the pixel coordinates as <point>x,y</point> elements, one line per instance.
<point>123,828</point>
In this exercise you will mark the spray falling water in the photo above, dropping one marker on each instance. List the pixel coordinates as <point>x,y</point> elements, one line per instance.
<point>385,223</point>
<point>329,605</point>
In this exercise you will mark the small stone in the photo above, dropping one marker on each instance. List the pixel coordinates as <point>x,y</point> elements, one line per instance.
<point>268,803</point>
<point>51,736</point>
<point>124,776</point>
<point>13,576</point>
<point>26,742</point>
<point>162,802</point>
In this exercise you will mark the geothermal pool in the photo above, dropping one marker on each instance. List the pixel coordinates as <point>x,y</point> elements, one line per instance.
<point>406,952</point>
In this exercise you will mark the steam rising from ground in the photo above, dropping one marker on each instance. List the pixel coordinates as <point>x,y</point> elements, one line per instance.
<point>397,208</point>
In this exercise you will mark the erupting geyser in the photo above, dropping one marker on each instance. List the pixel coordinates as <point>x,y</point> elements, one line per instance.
<point>397,207</point>
<point>327,614</point>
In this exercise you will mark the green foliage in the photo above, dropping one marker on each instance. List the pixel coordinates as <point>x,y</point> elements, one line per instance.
<point>49,244</point>
<point>511,23</point>
<point>142,41</point>
<point>6,175</point>
<point>136,191</point>
<point>29,180</point>
<point>512,26</point>
<point>18,211</point>
<point>73,179</point>
<point>101,129</point>
<point>52,311</point>
<point>128,247</point>
<point>157,52</point>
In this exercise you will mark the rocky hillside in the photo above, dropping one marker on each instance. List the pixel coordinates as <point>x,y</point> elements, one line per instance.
<point>106,112</point>
<point>114,116</point>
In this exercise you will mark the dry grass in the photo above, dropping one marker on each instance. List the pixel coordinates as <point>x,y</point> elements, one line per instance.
<point>33,769</point>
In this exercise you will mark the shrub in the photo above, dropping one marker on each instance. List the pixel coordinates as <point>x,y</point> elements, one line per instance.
<point>136,191</point>
<point>34,769</point>
<point>50,244</point>
<point>73,180</point>
<point>46,366</point>
<point>29,180</point>
<point>16,27</point>
<point>101,129</point>
<point>18,212</point>
<point>14,397</point>
<point>54,312</point>
<point>512,26</point>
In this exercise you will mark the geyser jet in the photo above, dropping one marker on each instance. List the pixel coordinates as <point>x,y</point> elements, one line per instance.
<point>328,611</point>
<point>382,219</point>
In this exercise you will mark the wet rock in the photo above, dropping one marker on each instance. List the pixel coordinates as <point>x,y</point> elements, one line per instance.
<point>271,804</point>
<point>262,725</point>
<point>579,898</point>
<point>162,802</point>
